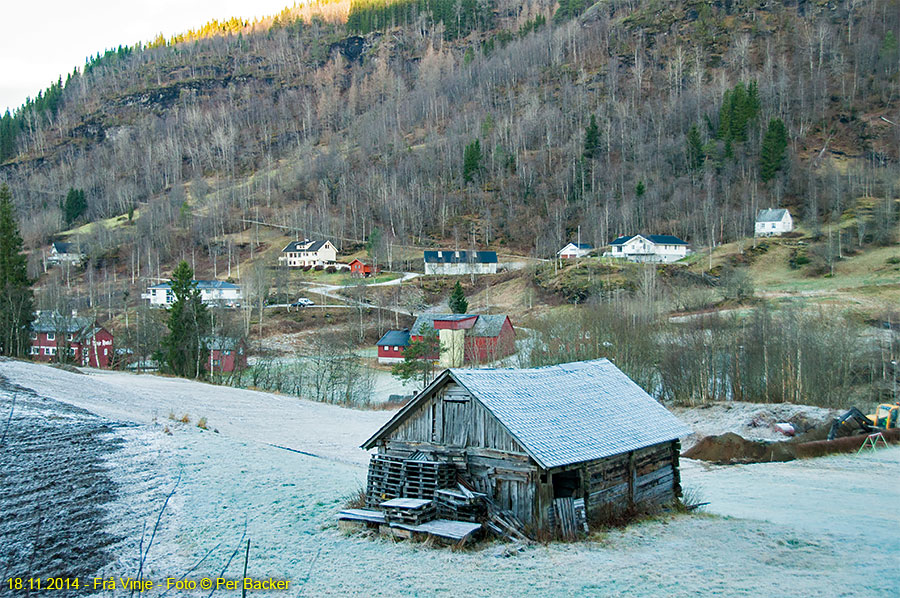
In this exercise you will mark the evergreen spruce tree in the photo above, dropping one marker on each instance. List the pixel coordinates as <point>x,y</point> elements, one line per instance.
<point>591,139</point>
<point>773,151</point>
<point>471,161</point>
<point>74,205</point>
<point>16,298</point>
<point>458,303</point>
<point>189,324</point>
<point>418,359</point>
<point>694,148</point>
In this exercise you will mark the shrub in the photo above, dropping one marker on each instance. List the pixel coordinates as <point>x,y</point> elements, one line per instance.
<point>201,423</point>
<point>319,267</point>
<point>185,419</point>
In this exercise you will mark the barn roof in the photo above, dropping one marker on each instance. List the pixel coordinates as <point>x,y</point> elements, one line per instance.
<point>770,215</point>
<point>460,257</point>
<point>485,325</point>
<point>306,245</point>
<point>56,322</point>
<point>655,239</point>
<point>563,414</point>
<point>62,247</point>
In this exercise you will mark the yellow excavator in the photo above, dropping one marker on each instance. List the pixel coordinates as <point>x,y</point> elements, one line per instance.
<point>886,417</point>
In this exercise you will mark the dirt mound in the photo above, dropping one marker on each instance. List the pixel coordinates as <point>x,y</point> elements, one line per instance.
<point>731,448</point>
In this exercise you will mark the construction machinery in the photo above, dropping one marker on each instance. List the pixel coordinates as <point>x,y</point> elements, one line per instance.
<point>886,417</point>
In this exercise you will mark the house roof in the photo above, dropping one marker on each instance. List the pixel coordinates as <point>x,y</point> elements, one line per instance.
<point>62,247</point>
<point>220,343</point>
<point>305,245</point>
<point>485,325</point>
<point>655,239</point>
<point>460,257</point>
<point>579,245</point>
<point>563,414</point>
<point>363,262</point>
<point>394,338</point>
<point>202,284</point>
<point>771,215</point>
<point>56,322</point>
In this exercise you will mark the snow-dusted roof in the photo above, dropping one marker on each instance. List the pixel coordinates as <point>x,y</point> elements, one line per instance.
<point>655,239</point>
<point>485,325</point>
<point>202,284</point>
<point>771,215</point>
<point>564,414</point>
<point>396,338</point>
<point>306,245</point>
<point>460,257</point>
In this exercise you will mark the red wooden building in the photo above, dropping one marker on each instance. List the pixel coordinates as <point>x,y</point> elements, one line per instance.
<point>488,337</point>
<point>362,269</point>
<point>392,345</point>
<point>70,339</point>
<point>226,354</point>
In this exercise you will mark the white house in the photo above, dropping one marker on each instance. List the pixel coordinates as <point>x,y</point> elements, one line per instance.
<point>307,253</point>
<point>212,292</point>
<point>573,250</point>
<point>773,222</point>
<point>460,262</point>
<point>64,253</point>
<point>649,248</point>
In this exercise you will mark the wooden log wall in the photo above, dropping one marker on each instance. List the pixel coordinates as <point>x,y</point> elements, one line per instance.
<point>643,477</point>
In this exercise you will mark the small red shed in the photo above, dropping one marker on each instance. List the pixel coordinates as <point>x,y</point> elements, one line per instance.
<point>226,354</point>
<point>362,269</point>
<point>392,345</point>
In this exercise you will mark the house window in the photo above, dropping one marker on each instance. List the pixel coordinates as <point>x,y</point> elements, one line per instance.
<point>34,336</point>
<point>35,350</point>
<point>69,337</point>
<point>396,348</point>
<point>72,351</point>
<point>773,225</point>
<point>51,336</point>
<point>49,350</point>
<point>227,353</point>
<point>215,362</point>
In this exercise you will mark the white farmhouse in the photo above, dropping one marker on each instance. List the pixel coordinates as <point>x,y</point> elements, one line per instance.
<point>460,262</point>
<point>212,292</point>
<point>649,248</point>
<point>64,253</point>
<point>298,254</point>
<point>573,250</point>
<point>773,222</point>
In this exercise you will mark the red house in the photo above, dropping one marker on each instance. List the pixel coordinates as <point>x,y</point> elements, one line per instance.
<point>392,345</point>
<point>488,337</point>
<point>225,354</point>
<point>362,269</point>
<point>70,339</point>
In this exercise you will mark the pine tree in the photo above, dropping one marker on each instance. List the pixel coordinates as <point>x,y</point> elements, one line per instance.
<point>16,297</point>
<point>418,359</point>
<point>694,149</point>
<point>458,303</point>
<point>189,324</point>
<point>74,205</point>
<point>773,151</point>
<point>471,161</point>
<point>591,139</point>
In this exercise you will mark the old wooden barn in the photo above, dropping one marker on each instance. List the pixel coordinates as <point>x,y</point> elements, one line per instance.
<point>526,438</point>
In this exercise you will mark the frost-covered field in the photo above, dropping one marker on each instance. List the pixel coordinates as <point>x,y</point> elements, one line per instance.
<point>824,527</point>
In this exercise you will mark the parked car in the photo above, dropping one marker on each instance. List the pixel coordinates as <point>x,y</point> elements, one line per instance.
<point>302,302</point>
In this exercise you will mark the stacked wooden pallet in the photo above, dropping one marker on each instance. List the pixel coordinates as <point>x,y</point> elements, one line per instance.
<point>408,511</point>
<point>460,504</point>
<point>421,479</point>
<point>385,479</point>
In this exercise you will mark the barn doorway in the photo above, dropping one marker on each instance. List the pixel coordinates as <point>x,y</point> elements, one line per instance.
<point>566,483</point>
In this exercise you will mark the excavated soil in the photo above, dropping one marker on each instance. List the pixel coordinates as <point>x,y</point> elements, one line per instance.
<point>731,448</point>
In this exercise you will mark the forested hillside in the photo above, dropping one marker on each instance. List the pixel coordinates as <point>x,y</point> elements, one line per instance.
<point>485,122</point>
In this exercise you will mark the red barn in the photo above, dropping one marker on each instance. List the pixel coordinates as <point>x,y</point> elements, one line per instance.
<point>392,345</point>
<point>362,269</point>
<point>225,354</point>
<point>70,339</point>
<point>488,337</point>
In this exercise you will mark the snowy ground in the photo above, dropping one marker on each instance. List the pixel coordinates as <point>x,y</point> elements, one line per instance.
<point>824,527</point>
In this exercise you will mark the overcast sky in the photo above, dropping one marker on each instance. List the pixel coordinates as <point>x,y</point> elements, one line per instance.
<point>42,40</point>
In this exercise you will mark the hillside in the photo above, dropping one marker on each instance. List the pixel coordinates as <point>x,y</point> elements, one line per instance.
<point>298,122</point>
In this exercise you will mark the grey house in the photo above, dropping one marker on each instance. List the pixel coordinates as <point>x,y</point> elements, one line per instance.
<point>528,437</point>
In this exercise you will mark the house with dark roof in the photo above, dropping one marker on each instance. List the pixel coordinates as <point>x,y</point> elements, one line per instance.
<point>467,338</point>
<point>392,345</point>
<point>537,442</point>
<point>70,339</point>
<point>298,254</point>
<point>225,354</point>
<point>648,248</point>
<point>212,292</point>
<point>573,250</point>
<point>455,263</point>
<point>64,253</point>
<point>773,222</point>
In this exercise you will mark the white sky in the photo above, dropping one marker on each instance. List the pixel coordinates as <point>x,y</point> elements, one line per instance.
<point>42,40</point>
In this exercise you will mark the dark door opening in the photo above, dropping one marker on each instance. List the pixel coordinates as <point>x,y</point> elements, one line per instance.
<point>566,483</point>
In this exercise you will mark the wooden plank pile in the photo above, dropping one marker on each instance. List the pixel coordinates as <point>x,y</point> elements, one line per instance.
<point>567,517</point>
<point>421,479</point>
<point>460,504</point>
<point>408,511</point>
<point>385,479</point>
